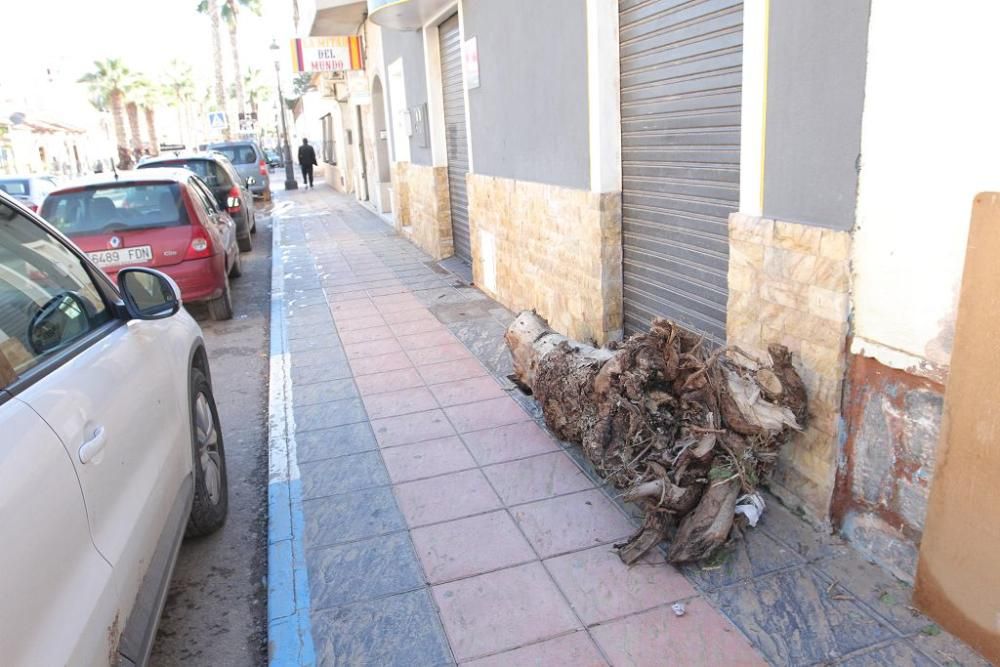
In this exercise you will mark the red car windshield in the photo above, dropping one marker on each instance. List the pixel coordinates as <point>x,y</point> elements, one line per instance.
<point>114,207</point>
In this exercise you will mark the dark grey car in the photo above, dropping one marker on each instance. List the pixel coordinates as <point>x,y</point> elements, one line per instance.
<point>230,188</point>
<point>250,161</point>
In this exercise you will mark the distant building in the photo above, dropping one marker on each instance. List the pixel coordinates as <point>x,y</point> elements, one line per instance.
<point>31,144</point>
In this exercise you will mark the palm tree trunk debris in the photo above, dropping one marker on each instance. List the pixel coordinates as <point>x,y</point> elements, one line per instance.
<point>681,429</point>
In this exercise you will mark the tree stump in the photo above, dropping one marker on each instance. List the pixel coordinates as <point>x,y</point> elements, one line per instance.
<point>682,429</point>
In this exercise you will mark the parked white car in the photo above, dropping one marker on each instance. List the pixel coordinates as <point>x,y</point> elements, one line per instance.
<point>30,190</point>
<point>110,449</point>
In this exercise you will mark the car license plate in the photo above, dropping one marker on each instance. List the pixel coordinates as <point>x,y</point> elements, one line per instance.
<point>122,256</point>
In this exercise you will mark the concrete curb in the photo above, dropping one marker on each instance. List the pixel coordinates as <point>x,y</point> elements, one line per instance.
<point>289,633</point>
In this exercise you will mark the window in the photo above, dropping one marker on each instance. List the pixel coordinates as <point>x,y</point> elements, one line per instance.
<point>212,173</point>
<point>107,208</point>
<point>240,154</point>
<point>204,196</point>
<point>15,187</point>
<point>329,147</point>
<point>48,300</point>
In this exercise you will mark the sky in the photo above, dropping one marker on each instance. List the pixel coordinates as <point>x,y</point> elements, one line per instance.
<point>68,35</point>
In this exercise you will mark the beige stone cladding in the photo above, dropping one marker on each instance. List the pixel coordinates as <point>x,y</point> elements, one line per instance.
<point>790,283</point>
<point>557,250</point>
<point>423,214</point>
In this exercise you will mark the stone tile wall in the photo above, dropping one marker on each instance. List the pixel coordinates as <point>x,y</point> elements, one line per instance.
<point>423,213</point>
<point>557,250</point>
<point>790,283</point>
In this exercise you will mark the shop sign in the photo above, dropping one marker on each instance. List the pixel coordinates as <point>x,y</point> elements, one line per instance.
<point>327,54</point>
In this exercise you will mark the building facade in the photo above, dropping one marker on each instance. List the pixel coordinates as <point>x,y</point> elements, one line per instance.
<point>760,171</point>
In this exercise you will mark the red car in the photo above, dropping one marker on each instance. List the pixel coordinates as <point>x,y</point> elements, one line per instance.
<point>166,219</point>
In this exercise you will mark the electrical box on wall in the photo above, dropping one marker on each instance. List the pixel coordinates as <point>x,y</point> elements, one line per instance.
<point>418,127</point>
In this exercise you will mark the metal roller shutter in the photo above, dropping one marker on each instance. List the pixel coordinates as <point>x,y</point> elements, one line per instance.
<point>681,65</point>
<point>455,134</point>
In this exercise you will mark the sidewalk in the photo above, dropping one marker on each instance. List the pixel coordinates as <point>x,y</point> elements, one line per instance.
<point>434,521</point>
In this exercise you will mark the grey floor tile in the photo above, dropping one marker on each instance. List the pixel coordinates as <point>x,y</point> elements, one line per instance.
<point>793,531</point>
<point>322,392</point>
<point>323,357</point>
<point>327,340</point>
<point>484,338</point>
<point>318,315</point>
<point>752,556</point>
<point>363,570</point>
<point>333,442</point>
<point>329,414</point>
<point>463,311</point>
<point>398,631</point>
<point>305,330</point>
<point>303,375</point>
<point>948,650</point>
<point>342,474</point>
<point>459,267</point>
<point>886,595</point>
<point>529,404</point>
<point>795,618</point>
<point>351,516</point>
<point>439,295</point>
<point>898,654</point>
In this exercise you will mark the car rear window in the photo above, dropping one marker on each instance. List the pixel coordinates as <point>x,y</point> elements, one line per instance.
<point>238,153</point>
<point>112,207</point>
<point>211,172</point>
<point>15,187</point>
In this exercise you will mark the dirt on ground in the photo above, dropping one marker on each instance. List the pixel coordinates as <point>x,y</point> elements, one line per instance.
<point>216,609</point>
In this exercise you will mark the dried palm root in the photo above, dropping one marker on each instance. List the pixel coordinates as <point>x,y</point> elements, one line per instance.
<point>682,429</point>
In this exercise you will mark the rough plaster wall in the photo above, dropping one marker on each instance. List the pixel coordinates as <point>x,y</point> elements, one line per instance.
<point>409,45</point>
<point>929,144</point>
<point>815,94</point>
<point>529,117</point>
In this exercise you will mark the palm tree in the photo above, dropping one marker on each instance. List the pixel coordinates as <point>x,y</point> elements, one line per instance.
<point>211,7</point>
<point>108,82</point>
<point>179,81</point>
<point>257,89</point>
<point>149,95</point>
<point>231,13</point>
<point>132,109</point>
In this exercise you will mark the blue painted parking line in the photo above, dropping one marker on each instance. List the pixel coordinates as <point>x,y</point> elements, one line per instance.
<point>289,630</point>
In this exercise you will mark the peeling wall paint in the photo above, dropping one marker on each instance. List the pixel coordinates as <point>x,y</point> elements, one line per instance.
<point>887,461</point>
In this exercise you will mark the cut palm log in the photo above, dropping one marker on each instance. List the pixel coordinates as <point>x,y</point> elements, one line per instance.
<point>681,428</point>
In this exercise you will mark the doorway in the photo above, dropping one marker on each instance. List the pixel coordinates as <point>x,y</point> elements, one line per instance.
<point>456,141</point>
<point>381,141</point>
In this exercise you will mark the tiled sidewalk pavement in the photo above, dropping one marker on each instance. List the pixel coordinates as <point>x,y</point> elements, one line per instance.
<point>444,524</point>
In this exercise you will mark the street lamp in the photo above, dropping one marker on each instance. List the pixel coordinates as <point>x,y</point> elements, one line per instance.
<point>290,183</point>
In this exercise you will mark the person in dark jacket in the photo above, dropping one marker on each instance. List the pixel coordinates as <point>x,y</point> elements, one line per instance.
<point>307,159</point>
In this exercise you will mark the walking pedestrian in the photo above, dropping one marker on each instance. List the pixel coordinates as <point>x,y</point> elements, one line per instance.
<point>307,159</point>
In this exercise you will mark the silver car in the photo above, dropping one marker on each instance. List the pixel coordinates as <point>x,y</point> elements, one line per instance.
<point>250,162</point>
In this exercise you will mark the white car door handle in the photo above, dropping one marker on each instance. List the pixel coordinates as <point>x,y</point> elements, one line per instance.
<point>93,447</point>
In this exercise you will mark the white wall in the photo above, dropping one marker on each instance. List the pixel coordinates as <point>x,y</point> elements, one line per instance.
<point>930,142</point>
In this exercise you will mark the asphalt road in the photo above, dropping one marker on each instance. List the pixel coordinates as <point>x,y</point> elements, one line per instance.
<point>216,611</point>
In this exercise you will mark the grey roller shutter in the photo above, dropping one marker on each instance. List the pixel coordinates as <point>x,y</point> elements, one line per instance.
<point>455,134</point>
<point>681,66</point>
